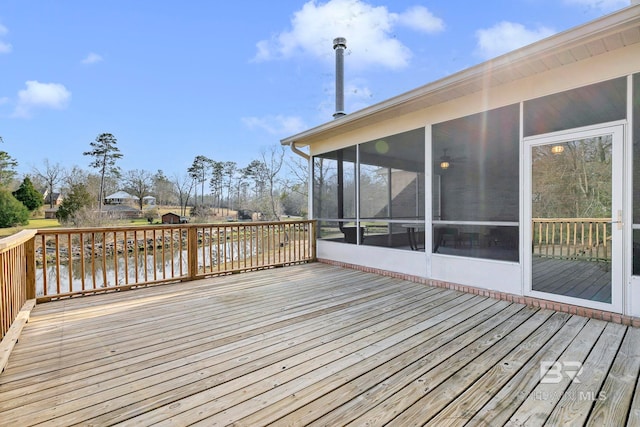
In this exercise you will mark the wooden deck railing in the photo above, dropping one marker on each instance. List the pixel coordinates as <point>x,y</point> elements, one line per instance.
<point>88,260</point>
<point>55,263</point>
<point>16,252</point>
<point>572,238</point>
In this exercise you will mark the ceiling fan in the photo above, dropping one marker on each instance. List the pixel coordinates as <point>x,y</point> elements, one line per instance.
<point>447,161</point>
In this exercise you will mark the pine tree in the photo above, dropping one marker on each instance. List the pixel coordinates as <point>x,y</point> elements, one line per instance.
<point>105,152</point>
<point>77,199</point>
<point>12,212</point>
<point>7,167</point>
<point>28,195</point>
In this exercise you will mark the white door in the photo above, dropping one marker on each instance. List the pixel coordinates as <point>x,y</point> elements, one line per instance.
<point>573,208</point>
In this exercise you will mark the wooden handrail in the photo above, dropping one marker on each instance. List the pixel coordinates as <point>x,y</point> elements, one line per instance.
<point>16,239</point>
<point>17,284</point>
<point>598,220</point>
<point>572,238</point>
<point>71,261</point>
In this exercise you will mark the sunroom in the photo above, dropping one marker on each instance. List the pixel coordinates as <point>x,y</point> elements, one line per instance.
<point>515,176</point>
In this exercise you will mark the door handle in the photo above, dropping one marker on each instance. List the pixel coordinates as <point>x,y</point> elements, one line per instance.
<point>619,221</point>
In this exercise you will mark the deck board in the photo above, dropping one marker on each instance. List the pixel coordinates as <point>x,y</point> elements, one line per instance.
<point>575,278</point>
<point>503,401</point>
<point>313,345</point>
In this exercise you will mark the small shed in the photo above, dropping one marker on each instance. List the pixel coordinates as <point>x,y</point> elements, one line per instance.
<point>50,213</point>
<point>172,218</point>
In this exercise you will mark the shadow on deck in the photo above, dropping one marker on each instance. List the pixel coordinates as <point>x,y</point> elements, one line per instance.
<point>316,344</point>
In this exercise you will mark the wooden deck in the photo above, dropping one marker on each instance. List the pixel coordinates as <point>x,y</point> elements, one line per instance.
<point>574,278</point>
<point>316,345</point>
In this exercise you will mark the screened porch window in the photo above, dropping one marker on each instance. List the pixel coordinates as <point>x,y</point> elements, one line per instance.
<point>636,174</point>
<point>334,193</point>
<point>476,185</point>
<point>392,190</point>
<point>386,178</point>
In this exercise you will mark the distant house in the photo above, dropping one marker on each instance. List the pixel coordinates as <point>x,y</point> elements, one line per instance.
<point>49,197</point>
<point>50,209</point>
<point>120,198</point>
<point>172,218</point>
<point>124,198</point>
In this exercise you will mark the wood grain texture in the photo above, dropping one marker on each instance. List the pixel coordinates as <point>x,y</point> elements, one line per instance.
<point>313,344</point>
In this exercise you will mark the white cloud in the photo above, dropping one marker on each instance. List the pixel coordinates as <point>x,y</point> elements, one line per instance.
<point>276,125</point>
<point>92,58</point>
<point>419,18</point>
<point>507,36</point>
<point>41,95</point>
<point>602,5</point>
<point>4,46</point>
<point>368,30</point>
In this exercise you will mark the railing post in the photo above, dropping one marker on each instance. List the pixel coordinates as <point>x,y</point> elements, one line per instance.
<point>192,252</point>
<point>314,239</point>
<point>30,267</point>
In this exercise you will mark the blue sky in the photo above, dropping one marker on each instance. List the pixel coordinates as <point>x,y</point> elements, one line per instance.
<point>227,79</point>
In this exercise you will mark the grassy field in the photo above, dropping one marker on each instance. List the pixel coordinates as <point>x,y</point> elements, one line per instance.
<point>33,223</point>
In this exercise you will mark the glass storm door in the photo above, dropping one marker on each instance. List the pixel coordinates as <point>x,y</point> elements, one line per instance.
<point>575,216</point>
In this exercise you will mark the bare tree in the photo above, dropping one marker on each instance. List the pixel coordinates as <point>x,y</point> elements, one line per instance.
<point>299,175</point>
<point>265,176</point>
<point>273,159</point>
<point>138,182</point>
<point>183,186</point>
<point>162,187</point>
<point>574,183</point>
<point>74,175</point>
<point>51,175</point>
<point>297,184</point>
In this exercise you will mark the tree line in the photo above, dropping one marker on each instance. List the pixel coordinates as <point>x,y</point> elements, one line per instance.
<point>272,185</point>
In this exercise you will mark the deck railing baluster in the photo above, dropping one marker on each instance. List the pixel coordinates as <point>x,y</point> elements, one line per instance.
<point>70,262</point>
<point>57,254</point>
<point>126,253</point>
<point>114,251</point>
<point>67,262</point>
<point>162,253</point>
<point>572,238</point>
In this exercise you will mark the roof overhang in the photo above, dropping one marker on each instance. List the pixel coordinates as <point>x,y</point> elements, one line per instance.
<point>603,35</point>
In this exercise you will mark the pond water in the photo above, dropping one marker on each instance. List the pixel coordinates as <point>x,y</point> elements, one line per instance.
<point>107,272</point>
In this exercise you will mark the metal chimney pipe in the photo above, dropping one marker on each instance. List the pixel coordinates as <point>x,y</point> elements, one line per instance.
<point>339,45</point>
